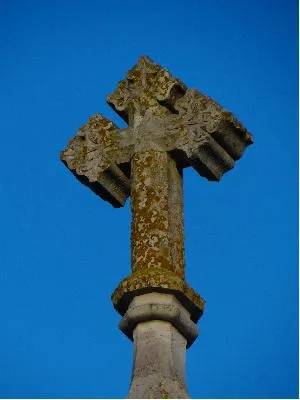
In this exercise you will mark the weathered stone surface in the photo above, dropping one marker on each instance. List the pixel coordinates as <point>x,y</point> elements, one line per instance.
<point>90,157</point>
<point>163,115</point>
<point>200,110</point>
<point>157,280</point>
<point>170,127</point>
<point>148,88</point>
<point>157,242</point>
<point>157,215</point>
<point>159,362</point>
<point>160,327</point>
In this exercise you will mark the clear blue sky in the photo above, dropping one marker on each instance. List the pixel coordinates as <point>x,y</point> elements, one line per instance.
<point>63,250</point>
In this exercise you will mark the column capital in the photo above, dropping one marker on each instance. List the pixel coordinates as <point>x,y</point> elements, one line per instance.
<point>162,307</point>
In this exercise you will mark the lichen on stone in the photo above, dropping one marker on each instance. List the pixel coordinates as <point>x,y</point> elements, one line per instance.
<point>147,85</point>
<point>170,127</point>
<point>160,280</point>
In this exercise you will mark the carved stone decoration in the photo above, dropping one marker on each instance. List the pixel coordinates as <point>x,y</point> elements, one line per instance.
<point>146,87</point>
<point>88,156</point>
<point>163,115</point>
<point>200,110</point>
<point>170,127</point>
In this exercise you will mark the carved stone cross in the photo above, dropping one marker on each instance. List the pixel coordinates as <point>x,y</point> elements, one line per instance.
<point>170,127</point>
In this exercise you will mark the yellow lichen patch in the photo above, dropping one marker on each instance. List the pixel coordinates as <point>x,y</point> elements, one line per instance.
<point>146,85</point>
<point>175,210</point>
<point>164,394</point>
<point>157,213</point>
<point>75,154</point>
<point>149,203</point>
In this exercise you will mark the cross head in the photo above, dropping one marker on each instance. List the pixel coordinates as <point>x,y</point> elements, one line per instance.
<point>170,127</point>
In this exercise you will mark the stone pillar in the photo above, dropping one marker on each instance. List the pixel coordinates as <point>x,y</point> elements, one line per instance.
<point>161,329</point>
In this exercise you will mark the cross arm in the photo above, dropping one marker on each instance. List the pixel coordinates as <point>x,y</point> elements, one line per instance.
<point>216,138</point>
<point>200,133</point>
<point>96,159</point>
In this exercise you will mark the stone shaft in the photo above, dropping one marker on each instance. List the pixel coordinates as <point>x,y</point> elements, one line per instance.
<point>157,213</point>
<point>159,362</point>
<point>162,330</point>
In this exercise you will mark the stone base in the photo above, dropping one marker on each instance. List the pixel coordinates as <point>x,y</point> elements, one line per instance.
<point>161,329</point>
<point>159,307</point>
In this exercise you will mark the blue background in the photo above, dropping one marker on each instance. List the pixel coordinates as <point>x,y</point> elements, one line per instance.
<point>63,251</point>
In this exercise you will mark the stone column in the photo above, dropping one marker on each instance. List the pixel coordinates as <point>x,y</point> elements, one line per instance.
<point>157,322</point>
<point>162,330</point>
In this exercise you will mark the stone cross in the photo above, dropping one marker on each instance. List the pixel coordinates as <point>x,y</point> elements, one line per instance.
<point>170,127</point>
